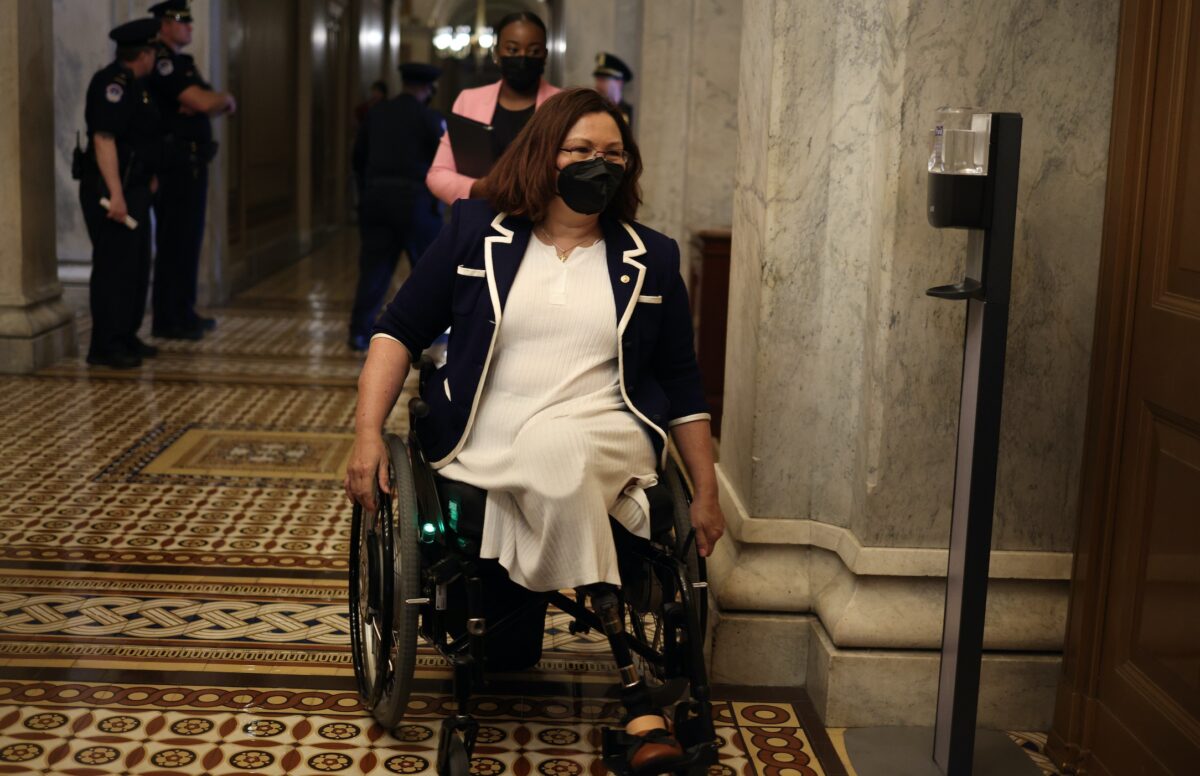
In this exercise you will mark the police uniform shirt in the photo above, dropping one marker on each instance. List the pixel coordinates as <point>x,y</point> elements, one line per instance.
<point>173,72</point>
<point>121,106</point>
<point>398,140</point>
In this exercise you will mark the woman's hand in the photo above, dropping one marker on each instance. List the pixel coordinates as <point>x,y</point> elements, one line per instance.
<point>368,466</point>
<point>709,522</point>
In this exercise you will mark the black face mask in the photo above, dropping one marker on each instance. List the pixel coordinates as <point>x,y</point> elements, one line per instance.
<point>523,73</point>
<point>588,187</point>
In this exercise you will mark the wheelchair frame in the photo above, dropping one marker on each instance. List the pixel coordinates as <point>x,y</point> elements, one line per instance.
<point>394,577</point>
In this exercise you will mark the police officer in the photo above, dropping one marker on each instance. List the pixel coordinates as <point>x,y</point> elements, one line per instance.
<point>120,163</point>
<point>611,75</point>
<point>393,150</point>
<point>187,102</point>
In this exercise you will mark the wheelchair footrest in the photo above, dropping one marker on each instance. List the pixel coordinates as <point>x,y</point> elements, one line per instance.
<point>616,745</point>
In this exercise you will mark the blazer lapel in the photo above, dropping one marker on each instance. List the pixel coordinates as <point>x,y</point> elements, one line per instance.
<point>503,252</point>
<point>626,274</point>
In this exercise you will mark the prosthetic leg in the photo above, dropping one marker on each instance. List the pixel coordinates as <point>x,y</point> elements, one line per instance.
<point>656,750</point>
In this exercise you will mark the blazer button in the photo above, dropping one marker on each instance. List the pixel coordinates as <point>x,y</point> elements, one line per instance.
<point>624,278</point>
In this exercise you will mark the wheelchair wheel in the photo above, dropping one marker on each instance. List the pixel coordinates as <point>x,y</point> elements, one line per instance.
<point>386,572</point>
<point>689,552</point>
<point>370,599</point>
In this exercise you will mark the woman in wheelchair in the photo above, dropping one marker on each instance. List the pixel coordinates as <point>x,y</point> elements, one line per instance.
<point>570,359</point>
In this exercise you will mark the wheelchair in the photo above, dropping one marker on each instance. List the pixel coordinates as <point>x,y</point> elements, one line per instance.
<point>415,573</point>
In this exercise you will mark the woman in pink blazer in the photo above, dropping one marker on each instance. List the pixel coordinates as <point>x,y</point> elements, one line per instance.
<point>506,105</point>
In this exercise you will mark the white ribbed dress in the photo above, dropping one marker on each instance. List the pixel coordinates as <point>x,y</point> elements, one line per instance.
<point>553,443</point>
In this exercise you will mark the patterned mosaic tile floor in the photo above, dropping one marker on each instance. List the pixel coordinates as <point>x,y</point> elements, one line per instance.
<point>173,546</point>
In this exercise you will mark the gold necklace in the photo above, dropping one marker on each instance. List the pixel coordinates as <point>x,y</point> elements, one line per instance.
<point>559,252</point>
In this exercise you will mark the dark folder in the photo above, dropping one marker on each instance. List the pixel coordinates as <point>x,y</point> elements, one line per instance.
<point>471,142</point>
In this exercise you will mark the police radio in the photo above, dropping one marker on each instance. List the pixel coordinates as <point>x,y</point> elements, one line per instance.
<point>79,160</point>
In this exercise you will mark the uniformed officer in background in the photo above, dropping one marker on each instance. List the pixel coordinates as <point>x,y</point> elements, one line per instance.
<point>187,102</point>
<point>393,150</point>
<point>122,157</point>
<point>611,75</point>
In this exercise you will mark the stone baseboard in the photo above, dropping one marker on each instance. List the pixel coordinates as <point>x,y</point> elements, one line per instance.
<point>874,687</point>
<point>23,355</point>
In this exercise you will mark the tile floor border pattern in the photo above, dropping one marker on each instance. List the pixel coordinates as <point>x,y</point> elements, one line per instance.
<point>183,368</point>
<point>108,729</point>
<point>132,464</point>
<point>155,617</point>
<point>299,336</point>
<point>222,625</point>
<point>62,501</point>
<point>278,590</point>
<point>223,634</point>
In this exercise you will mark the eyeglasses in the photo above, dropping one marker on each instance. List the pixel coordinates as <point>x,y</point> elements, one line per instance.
<point>585,154</point>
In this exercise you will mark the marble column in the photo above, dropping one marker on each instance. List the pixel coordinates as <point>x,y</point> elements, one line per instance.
<point>589,28</point>
<point>687,119</point>
<point>837,451</point>
<point>36,327</point>
<point>662,117</point>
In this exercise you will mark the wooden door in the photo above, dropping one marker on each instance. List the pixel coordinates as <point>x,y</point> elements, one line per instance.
<point>1130,700</point>
<point>262,138</point>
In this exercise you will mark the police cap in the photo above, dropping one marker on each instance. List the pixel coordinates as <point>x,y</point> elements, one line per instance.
<point>177,10</point>
<point>611,66</point>
<point>419,73</point>
<point>139,32</point>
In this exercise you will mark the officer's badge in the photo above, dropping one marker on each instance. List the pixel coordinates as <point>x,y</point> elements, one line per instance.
<point>113,93</point>
<point>165,66</point>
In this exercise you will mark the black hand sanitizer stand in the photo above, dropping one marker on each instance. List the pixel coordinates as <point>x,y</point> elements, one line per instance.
<point>972,185</point>
<point>986,291</point>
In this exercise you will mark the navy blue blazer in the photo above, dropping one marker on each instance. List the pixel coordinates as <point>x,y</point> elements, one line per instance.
<point>462,282</point>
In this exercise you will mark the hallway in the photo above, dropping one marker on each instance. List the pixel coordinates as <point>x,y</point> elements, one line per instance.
<point>174,590</point>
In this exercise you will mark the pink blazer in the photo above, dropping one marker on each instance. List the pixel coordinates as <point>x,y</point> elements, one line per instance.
<point>479,104</point>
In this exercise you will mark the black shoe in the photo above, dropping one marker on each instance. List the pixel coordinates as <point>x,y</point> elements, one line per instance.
<point>119,360</point>
<point>205,324</point>
<point>142,349</point>
<point>193,332</point>
<point>359,342</point>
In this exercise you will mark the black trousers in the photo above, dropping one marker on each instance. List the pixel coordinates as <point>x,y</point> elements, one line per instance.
<point>392,217</point>
<point>120,269</point>
<point>179,208</point>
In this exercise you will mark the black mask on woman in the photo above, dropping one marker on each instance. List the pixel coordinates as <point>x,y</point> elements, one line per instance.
<point>523,74</point>
<point>588,187</point>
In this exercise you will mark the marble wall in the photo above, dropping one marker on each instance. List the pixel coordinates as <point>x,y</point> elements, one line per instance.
<point>1054,63</point>
<point>687,120</point>
<point>589,28</point>
<point>81,47</point>
<point>842,379</point>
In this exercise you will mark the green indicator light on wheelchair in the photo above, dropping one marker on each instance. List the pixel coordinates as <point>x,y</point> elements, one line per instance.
<point>427,531</point>
<point>453,515</point>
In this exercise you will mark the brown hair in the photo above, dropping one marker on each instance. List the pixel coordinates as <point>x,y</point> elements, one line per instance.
<point>525,179</point>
